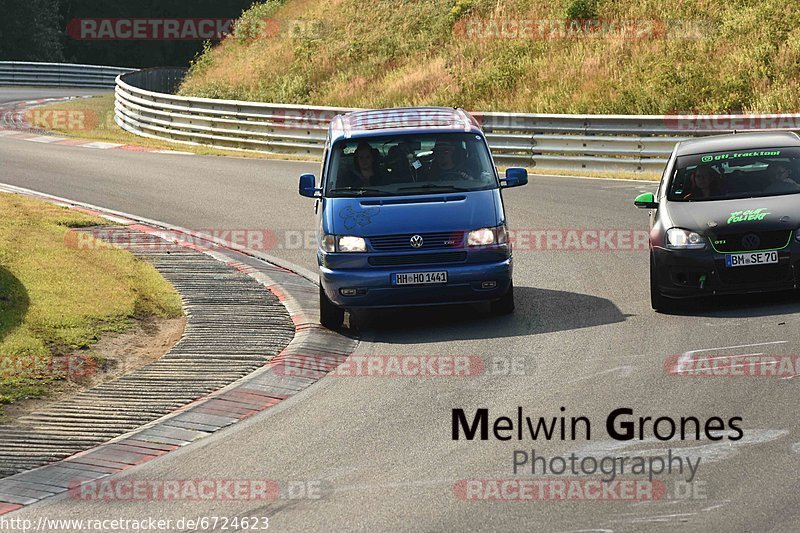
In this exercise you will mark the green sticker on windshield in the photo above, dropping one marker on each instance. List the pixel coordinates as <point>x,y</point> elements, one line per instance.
<point>750,214</point>
<point>738,155</point>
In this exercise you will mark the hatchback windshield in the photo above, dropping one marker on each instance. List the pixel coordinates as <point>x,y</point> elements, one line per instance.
<point>739,174</point>
<point>410,164</point>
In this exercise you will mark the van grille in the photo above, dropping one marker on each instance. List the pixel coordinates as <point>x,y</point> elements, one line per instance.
<point>417,259</point>
<point>430,241</point>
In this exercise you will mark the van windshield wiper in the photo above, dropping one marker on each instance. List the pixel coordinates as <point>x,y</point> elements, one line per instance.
<point>356,190</point>
<point>434,186</point>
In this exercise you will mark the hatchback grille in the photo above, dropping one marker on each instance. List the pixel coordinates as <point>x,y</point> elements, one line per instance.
<point>430,241</point>
<point>417,259</point>
<point>751,240</point>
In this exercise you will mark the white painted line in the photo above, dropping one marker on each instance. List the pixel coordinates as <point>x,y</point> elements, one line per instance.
<point>171,152</point>
<point>739,346</point>
<point>624,370</point>
<point>651,182</point>
<point>45,139</point>
<point>8,133</point>
<point>101,145</point>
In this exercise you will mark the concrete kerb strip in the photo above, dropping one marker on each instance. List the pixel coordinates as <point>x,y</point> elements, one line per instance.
<point>261,389</point>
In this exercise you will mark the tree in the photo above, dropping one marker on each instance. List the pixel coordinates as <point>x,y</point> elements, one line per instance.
<point>30,30</point>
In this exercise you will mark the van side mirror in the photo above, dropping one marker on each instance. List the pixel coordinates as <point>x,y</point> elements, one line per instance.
<point>646,201</point>
<point>515,177</point>
<point>307,186</point>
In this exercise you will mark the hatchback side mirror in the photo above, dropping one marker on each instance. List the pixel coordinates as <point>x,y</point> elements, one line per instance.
<point>515,177</point>
<point>307,186</point>
<point>646,201</point>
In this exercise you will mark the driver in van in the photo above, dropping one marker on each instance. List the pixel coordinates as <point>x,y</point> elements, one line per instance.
<point>448,162</point>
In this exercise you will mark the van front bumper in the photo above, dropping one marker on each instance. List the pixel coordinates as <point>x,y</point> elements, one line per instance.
<point>375,288</point>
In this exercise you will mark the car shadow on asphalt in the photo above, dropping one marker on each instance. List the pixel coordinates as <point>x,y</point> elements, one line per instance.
<point>537,311</point>
<point>741,306</point>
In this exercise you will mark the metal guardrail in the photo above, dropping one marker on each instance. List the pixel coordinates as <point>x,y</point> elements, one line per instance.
<point>59,74</point>
<point>145,105</point>
<point>544,141</point>
<point>564,142</point>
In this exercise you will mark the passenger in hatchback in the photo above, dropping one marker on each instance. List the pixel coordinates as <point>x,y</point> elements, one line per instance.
<point>780,179</point>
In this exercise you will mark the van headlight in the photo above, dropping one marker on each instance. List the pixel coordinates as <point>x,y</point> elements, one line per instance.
<point>681,239</point>
<point>487,236</point>
<point>328,243</point>
<point>348,243</point>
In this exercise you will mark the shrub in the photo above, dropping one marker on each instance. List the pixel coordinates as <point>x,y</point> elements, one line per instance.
<point>582,9</point>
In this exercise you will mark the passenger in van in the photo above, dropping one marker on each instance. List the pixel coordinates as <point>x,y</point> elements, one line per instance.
<point>365,171</point>
<point>398,164</point>
<point>448,162</point>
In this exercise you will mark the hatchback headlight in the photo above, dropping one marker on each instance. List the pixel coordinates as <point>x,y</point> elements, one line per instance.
<point>348,243</point>
<point>681,239</point>
<point>487,236</point>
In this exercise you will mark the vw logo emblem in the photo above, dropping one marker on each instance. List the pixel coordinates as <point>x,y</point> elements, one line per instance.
<point>416,241</point>
<point>751,241</point>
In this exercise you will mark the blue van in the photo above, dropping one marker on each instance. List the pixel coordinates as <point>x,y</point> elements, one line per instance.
<point>410,213</point>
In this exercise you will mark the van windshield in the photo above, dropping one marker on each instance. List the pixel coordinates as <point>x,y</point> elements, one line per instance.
<point>410,164</point>
<point>738,174</point>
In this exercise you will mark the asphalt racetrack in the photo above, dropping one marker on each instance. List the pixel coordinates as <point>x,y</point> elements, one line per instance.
<point>583,337</point>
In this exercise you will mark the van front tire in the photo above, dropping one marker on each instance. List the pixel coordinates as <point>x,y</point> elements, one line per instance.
<point>505,305</point>
<point>331,316</point>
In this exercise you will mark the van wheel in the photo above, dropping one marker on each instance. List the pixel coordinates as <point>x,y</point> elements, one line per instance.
<point>505,305</point>
<point>331,316</point>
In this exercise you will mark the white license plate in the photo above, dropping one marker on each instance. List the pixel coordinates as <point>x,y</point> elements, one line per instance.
<point>420,278</point>
<point>755,258</point>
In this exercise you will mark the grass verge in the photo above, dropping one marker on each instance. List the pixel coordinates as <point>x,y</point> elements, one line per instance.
<point>57,300</point>
<point>685,56</point>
